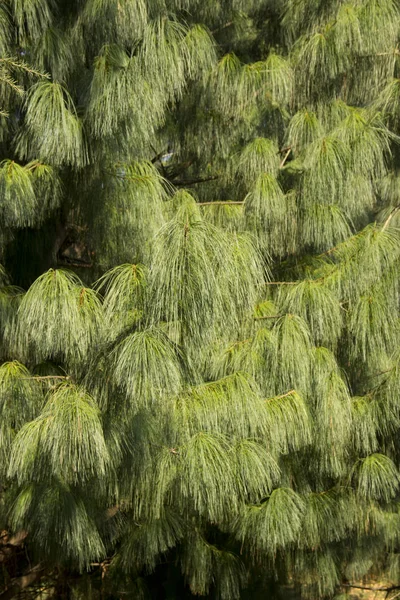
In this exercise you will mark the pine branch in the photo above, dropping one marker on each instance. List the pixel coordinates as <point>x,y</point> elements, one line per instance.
<point>283,282</point>
<point>44,377</point>
<point>23,66</point>
<point>167,393</point>
<point>8,80</point>
<point>222,203</point>
<point>380,373</point>
<point>395,52</point>
<point>297,282</point>
<point>369,588</point>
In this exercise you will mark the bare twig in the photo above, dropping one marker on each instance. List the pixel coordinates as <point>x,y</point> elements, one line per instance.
<point>394,52</point>
<point>47,377</point>
<point>222,203</point>
<point>390,217</point>
<point>157,156</point>
<point>380,373</point>
<point>290,393</point>
<point>282,282</point>
<point>284,159</point>
<point>370,588</point>
<point>228,24</point>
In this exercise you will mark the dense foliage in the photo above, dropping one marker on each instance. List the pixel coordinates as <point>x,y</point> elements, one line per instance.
<point>199,388</point>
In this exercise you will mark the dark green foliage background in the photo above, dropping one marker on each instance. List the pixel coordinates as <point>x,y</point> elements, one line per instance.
<point>199,301</point>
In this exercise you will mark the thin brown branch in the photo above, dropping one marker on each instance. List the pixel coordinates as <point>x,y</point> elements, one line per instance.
<point>172,173</point>
<point>39,378</point>
<point>369,588</point>
<point>394,52</point>
<point>316,280</point>
<point>157,156</point>
<point>282,282</point>
<point>290,393</point>
<point>356,235</point>
<point>228,24</point>
<point>222,203</point>
<point>284,159</point>
<point>390,217</point>
<point>329,251</point>
<point>380,373</point>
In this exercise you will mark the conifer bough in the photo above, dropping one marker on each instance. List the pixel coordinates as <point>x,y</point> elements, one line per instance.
<point>199,298</point>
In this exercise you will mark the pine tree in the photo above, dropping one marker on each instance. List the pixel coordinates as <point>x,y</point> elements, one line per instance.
<point>199,298</point>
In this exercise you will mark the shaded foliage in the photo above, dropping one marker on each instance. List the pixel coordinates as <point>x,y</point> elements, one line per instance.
<point>199,297</point>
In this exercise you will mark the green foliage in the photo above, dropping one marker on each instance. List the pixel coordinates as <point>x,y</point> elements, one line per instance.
<point>133,195</point>
<point>377,477</point>
<point>18,196</point>
<point>332,411</point>
<point>204,564</point>
<point>67,314</point>
<point>124,289</point>
<point>291,358</point>
<point>208,475</point>
<point>66,440</point>
<point>197,274</point>
<point>147,541</point>
<point>364,425</point>
<point>259,156</point>
<point>288,422</point>
<point>45,509</point>
<point>318,306</point>
<point>20,401</point>
<point>31,17</point>
<point>218,414</point>
<point>274,524</point>
<point>53,130</point>
<point>146,365</point>
<point>272,214</point>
